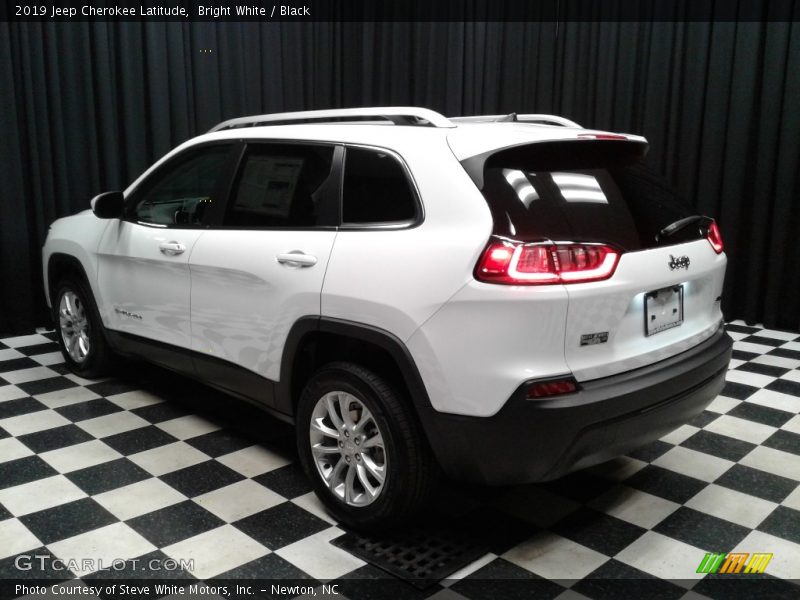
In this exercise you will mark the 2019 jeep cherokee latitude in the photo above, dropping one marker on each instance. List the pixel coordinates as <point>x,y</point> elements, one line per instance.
<point>507,298</point>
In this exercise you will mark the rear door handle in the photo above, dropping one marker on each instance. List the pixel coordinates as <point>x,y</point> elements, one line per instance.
<point>296,258</point>
<point>171,248</point>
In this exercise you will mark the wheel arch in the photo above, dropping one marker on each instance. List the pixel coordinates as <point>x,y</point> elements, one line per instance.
<point>59,265</point>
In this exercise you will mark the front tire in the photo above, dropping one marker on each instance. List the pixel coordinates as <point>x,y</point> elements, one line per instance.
<point>362,448</point>
<point>80,330</point>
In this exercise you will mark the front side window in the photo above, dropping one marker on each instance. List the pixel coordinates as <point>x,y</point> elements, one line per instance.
<point>280,185</point>
<point>182,191</point>
<point>376,189</point>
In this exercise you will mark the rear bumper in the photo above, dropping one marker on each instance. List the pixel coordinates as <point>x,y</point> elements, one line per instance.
<point>540,440</point>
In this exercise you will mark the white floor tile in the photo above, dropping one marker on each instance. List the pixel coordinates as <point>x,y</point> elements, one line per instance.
<point>253,461</point>
<point>79,456</point>
<point>792,424</point>
<point>554,557</point>
<point>692,463</point>
<point>779,335</point>
<point>112,424</point>
<point>468,570</point>
<point>239,500</point>
<point>320,559</point>
<point>777,361</point>
<point>134,399</point>
<point>50,358</point>
<point>9,354</point>
<point>12,449</point>
<point>748,378</point>
<point>751,347</point>
<point>28,375</point>
<point>785,561</point>
<point>16,538</point>
<point>82,381</point>
<point>312,504</point>
<point>217,551</point>
<point>776,400</point>
<point>722,404</point>
<point>733,506</point>
<point>741,429</point>
<point>33,422</point>
<point>187,427</point>
<point>680,435</point>
<point>139,498</point>
<point>792,376</point>
<point>39,495</point>
<point>634,506</point>
<point>791,346</point>
<point>664,557</point>
<point>773,461</point>
<point>793,499</point>
<point>11,392</point>
<point>735,363</point>
<point>26,340</point>
<point>67,396</point>
<point>103,546</point>
<point>166,459</point>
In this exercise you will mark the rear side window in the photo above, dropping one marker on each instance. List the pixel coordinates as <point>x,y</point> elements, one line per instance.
<point>376,189</point>
<point>279,185</point>
<point>569,197</point>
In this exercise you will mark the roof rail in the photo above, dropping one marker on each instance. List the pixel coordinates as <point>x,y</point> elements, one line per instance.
<point>399,115</point>
<point>515,118</point>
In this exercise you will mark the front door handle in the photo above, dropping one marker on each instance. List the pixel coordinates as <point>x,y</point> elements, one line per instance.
<point>171,248</point>
<point>296,258</point>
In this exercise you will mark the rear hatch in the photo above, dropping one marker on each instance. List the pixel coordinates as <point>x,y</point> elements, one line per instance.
<point>582,196</point>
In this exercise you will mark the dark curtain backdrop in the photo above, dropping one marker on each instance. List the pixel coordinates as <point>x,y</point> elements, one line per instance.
<point>87,106</point>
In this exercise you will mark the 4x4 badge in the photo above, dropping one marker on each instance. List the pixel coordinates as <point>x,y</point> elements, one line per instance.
<point>682,262</point>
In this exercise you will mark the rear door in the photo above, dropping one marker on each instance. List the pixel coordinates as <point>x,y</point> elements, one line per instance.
<point>260,266</point>
<point>664,296</point>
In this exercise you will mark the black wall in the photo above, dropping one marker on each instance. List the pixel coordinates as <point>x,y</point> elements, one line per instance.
<point>85,107</point>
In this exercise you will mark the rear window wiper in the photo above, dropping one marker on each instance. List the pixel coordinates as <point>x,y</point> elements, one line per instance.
<point>680,224</point>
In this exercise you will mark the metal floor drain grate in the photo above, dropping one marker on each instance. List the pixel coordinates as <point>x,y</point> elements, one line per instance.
<point>421,557</point>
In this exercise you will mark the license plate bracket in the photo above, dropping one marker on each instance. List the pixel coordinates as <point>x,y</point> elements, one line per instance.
<point>663,309</point>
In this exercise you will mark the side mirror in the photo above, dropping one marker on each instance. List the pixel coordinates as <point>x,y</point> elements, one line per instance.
<point>108,205</point>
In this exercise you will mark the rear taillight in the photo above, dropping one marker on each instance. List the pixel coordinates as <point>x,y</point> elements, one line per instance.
<point>556,387</point>
<point>715,238</point>
<point>515,263</point>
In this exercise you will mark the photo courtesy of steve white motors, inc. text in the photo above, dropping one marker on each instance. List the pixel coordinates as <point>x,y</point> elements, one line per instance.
<point>53,11</point>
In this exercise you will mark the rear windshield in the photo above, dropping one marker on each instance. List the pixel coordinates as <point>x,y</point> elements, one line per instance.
<point>554,193</point>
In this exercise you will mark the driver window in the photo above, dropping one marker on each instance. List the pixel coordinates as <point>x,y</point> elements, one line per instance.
<point>181,192</point>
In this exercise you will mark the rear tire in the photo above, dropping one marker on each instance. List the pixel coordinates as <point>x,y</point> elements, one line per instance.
<point>80,330</point>
<point>370,463</point>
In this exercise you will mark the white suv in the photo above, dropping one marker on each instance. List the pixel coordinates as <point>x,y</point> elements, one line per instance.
<point>507,298</point>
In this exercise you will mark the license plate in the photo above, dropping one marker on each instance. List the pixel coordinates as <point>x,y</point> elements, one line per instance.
<point>663,309</point>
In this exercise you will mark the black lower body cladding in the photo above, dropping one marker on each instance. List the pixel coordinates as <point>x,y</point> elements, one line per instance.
<point>541,440</point>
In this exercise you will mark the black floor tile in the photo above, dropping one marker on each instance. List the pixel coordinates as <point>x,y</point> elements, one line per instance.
<point>281,525</point>
<point>24,470</point>
<point>43,348</point>
<point>139,440</point>
<point>21,406</point>
<point>757,483</point>
<point>52,439</point>
<point>742,355</point>
<point>17,364</point>
<point>785,386</point>
<point>24,567</point>
<point>4,433</point>
<point>111,387</point>
<point>787,441</point>
<point>502,579</point>
<point>651,451</point>
<point>613,580</point>
<point>219,442</point>
<point>67,520</point>
<point>163,411</point>
<point>701,530</point>
<point>199,479</point>
<point>107,476</point>
<point>603,533</point>
<point>760,414</point>
<point>270,565</point>
<point>738,391</point>
<point>45,386</point>
<point>665,484</point>
<point>764,341</point>
<point>718,445</point>
<point>289,481</point>
<point>4,514</point>
<point>742,328</point>
<point>704,418</point>
<point>174,523</point>
<point>785,353</point>
<point>771,370</point>
<point>783,522</point>
<point>91,409</point>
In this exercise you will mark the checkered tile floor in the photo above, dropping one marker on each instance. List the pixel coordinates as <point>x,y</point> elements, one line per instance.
<point>151,465</point>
